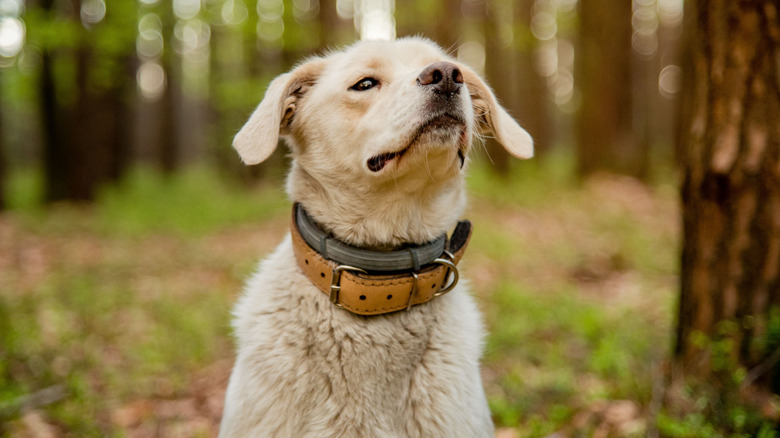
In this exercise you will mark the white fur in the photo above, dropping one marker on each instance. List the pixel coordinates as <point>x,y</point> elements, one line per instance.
<point>306,368</point>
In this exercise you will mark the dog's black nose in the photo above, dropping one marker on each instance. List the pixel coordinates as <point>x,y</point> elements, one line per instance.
<point>442,77</point>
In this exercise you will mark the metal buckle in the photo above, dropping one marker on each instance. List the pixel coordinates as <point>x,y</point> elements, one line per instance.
<point>451,267</point>
<point>335,282</point>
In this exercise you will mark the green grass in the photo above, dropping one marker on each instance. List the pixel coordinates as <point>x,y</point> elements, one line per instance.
<point>193,202</point>
<point>121,300</point>
<point>580,296</point>
<point>127,300</point>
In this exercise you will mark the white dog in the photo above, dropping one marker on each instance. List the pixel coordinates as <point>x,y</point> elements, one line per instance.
<point>352,326</point>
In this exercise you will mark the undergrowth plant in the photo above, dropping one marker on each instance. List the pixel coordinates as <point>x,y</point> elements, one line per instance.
<point>127,299</point>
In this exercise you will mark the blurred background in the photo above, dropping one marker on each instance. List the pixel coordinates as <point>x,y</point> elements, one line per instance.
<point>91,88</point>
<point>128,223</point>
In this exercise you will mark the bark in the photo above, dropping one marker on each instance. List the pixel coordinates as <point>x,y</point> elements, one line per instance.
<point>86,159</point>
<point>119,102</point>
<point>168,143</point>
<point>55,157</point>
<point>604,123</point>
<point>333,30</point>
<point>645,90</point>
<point>168,154</point>
<point>2,160</point>
<point>85,140</point>
<point>498,63</point>
<point>530,104</point>
<point>730,152</point>
<point>447,30</point>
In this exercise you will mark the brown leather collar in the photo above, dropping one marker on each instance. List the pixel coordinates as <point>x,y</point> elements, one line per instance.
<point>376,293</point>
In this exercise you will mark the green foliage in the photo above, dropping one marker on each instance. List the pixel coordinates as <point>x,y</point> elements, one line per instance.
<point>772,336</point>
<point>63,332</point>
<point>109,45</point>
<point>191,202</point>
<point>25,191</point>
<point>131,306</point>
<point>244,94</point>
<point>48,30</point>
<point>133,295</point>
<point>710,417</point>
<point>717,404</point>
<point>579,301</point>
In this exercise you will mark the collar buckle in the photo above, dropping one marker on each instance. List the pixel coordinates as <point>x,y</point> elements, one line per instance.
<point>378,290</point>
<point>335,282</point>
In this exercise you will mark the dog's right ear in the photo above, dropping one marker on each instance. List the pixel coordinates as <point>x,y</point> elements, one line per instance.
<point>258,138</point>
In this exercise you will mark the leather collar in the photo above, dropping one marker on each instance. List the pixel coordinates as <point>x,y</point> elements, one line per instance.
<point>371,288</point>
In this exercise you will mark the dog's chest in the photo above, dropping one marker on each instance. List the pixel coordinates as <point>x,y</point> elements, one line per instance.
<point>306,362</point>
<point>393,346</point>
<point>287,316</point>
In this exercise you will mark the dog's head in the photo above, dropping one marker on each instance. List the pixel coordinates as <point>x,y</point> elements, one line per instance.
<point>380,106</point>
<point>396,114</point>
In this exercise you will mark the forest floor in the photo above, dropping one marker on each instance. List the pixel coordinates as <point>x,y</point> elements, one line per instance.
<point>114,317</point>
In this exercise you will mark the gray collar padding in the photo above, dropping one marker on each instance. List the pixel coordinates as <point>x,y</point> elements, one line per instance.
<point>410,258</point>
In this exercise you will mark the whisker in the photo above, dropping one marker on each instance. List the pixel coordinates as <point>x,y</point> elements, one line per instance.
<point>428,168</point>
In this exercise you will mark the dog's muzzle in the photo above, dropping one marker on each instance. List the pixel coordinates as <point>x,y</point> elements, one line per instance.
<point>368,282</point>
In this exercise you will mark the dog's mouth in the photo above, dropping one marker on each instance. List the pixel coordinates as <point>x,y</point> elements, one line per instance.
<point>442,122</point>
<point>378,162</point>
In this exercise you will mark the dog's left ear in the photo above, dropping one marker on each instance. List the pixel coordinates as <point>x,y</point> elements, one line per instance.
<point>258,138</point>
<point>493,118</point>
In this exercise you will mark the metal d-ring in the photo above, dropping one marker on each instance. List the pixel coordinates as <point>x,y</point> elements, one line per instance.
<point>335,282</point>
<point>451,267</point>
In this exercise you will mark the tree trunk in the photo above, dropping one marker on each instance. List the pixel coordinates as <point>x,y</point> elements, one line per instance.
<point>645,91</point>
<point>2,160</point>
<point>85,140</point>
<point>168,155</point>
<point>87,157</point>
<point>169,144</point>
<point>498,60</point>
<point>530,103</point>
<point>604,123</point>
<point>55,156</point>
<point>119,103</point>
<point>730,148</point>
<point>333,30</point>
<point>447,27</point>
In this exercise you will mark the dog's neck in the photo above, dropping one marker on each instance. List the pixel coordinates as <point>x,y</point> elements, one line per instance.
<point>383,217</point>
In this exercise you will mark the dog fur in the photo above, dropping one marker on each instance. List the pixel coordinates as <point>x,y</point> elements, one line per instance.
<point>305,368</point>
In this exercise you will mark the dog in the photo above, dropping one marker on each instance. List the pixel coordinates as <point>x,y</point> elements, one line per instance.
<point>354,326</point>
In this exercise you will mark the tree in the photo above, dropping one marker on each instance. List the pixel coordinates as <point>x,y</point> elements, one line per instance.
<point>604,123</point>
<point>333,30</point>
<point>730,151</point>
<point>440,20</point>
<point>168,154</point>
<point>529,104</point>
<point>498,63</point>
<point>447,28</point>
<point>85,136</point>
<point>55,155</point>
<point>2,164</point>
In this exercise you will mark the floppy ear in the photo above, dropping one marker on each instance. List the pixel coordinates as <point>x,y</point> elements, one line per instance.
<point>494,118</point>
<point>258,138</point>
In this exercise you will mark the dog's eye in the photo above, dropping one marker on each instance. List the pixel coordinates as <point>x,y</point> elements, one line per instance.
<point>365,84</point>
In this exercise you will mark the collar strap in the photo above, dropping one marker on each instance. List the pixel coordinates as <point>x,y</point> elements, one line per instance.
<point>412,257</point>
<point>367,291</point>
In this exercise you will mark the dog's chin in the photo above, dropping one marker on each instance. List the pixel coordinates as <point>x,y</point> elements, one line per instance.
<point>442,134</point>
